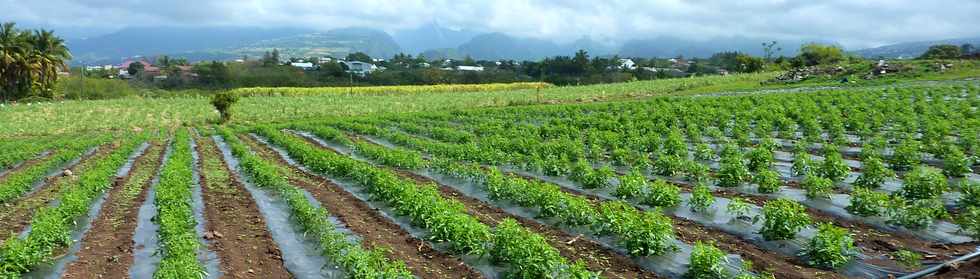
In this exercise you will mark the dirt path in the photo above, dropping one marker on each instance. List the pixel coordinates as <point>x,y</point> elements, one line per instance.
<point>374,229</point>
<point>107,247</point>
<point>16,215</point>
<point>235,226</point>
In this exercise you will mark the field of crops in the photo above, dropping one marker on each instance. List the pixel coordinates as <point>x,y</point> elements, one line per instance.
<point>875,182</point>
<point>394,89</point>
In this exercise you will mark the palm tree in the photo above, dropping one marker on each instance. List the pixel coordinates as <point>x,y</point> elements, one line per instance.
<point>29,61</point>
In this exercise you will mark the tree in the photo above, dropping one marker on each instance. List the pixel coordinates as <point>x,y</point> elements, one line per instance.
<point>942,52</point>
<point>816,54</point>
<point>223,102</point>
<point>29,61</point>
<point>359,56</point>
<point>748,64</point>
<point>769,49</point>
<point>134,68</point>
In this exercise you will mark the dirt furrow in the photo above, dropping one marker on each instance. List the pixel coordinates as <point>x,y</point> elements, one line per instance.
<point>374,229</point>
<point>107,247</point>
<point>235,226</point>
<point>16,215</point>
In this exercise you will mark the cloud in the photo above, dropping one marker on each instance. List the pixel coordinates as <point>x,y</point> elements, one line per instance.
<point>852,23</point>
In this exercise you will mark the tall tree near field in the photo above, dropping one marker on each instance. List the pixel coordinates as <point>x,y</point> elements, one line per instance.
<point>942,52</point>
<point>29,61</point>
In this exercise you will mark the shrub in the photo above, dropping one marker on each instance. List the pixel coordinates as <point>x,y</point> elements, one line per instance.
<point>768,181</point>
<point>817,187</point>
<point>696,172</point>
<point>737,207</point>
<point>907,154</point>
<point>668,165</point>
<point>831,248</point>
<point>662,194</point>
<point>873,174</point>
<point>703,152</point>
<point>801,163</point>
<point>969,221</point>
<point>956,164</point>
<point>733,172</point>
<point>833,167</point>
<point>759,159</point>
<point>908,258</point>
<point>223,102</point>
<point>915,214</point>
<point>706,262</point>
<point>701,198</point>
<point>866,202</point>
<point>970,194</point>
<point>923,183</point>
<point>631,185</point>
<point>783,219</point>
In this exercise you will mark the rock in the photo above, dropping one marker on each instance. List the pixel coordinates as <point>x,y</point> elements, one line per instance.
<point>68,173</point>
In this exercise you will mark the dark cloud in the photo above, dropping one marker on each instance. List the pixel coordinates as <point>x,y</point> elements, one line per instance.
<point>852,23</point>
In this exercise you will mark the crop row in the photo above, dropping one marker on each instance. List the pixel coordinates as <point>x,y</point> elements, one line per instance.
<point>356,261</point>
<point>400,89</point>
<point>527,255</point>
<point>52,227</point>
<point>178,239</point>
<point>20,182</point>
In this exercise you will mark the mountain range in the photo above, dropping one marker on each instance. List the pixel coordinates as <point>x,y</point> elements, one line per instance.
<point>432,40</point>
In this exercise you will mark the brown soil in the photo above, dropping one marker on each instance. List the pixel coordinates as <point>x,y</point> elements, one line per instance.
<point>26,164</point>
<point>16,215</point>
<point>107,247</point>
<point>235,227</point>
<point>374,229</point>
<point>965,270</point>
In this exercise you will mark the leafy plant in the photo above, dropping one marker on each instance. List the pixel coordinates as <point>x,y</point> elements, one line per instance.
<point>802,164</point>
<point>866,202</point>
<point>831,248</point>
<point>955,163</point>
<point>969,221</point>
<point>737,207</point>
<point>760,159</point>
<point>915,214</point>
<point>970,194</point>
<point>704,152</point>
<point>707,262</point>
<point>817,187</point>
<point>873,174</point>
<point>668,165</point>
<point>701,198</point>
<point>222,102</point>
<point>662,194</point>
<point>733,172</point>
<point>768,181</point>
<point>908,258</point>
<point>907,154</point>
<point>631,185</point>
<point>696,172</point>
<point>923,183</point>
<point>833,166</point>
<point>783,219</point>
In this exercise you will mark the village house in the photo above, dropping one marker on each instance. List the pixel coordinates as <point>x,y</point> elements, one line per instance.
<point>359,68</point>
<point>469,68</point>
<point>627,64</point>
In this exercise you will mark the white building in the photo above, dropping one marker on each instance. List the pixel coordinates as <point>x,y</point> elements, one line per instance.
<point>358,67</point>
<point>303,65</point>
<point>470,68</point>
<point>627,64</point>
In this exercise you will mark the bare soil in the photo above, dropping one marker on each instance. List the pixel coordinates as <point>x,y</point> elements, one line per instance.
<point>374,229</point>
<point>107,248</point>
<point>235,226</point>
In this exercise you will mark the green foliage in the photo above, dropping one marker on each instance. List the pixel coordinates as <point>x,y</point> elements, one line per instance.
<point>631,185</point>
<point>696,172</point>
<point>662,194</point>
<point>29,62</point>
<point>816,54</point>
<point>970,194</point>
<point>866,202</point>
<point>707,262</point>
<point>733,171</point>
<point>915,214</point>
<point>817,187</point>
<point>802,163</point>
<point>760,159</point>
<point>768,181</point>
<point>941,52</point>
<point>831,248</point>
<point>955,163</point>
<point>701,198</point>
<point>873,173</point>
<point>223,102</point>
<point>737,207</point>
<point>907,155</point>
<point>519,247</point>
<point>641,233</point>
<point>178,238</point>
<point>969,221</point>
<point>668,165</point>
<point>908,258</point>
<point>923,183</point>
<point>783,219</point>
<point>833,167</point>
<point>703,152</point>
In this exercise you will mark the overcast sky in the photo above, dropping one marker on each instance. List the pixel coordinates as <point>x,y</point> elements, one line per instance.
<point>852,23</point>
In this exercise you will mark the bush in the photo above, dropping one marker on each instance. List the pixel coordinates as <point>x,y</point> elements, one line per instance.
<point>908,259</point>
<point>768,181</point>
<point>631,185</point>
<point>816,54</point>
<point>915,214</point>
<point>668,165</point>
<point>701,198</point>
<point>662,194</point>
<point>873,174</point>
<point>703,152</point>
<point>956,164</point>
<point>817,187</point>
<point>970,194</point>
<point>923,183</point>
<point>696,172</point>
<point>944,51</point>
<point>737,207</point>
<point>801,163</point>
<point>866,202</point>
<point>783,219</point>
<point>832,248</point>
<point>969,221</point>
<point>833,166</point>
<point>223,102</point>
<point>760,159</point>
<point>706,262</point>
<point>733,172</point>
<point>907,154</point>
